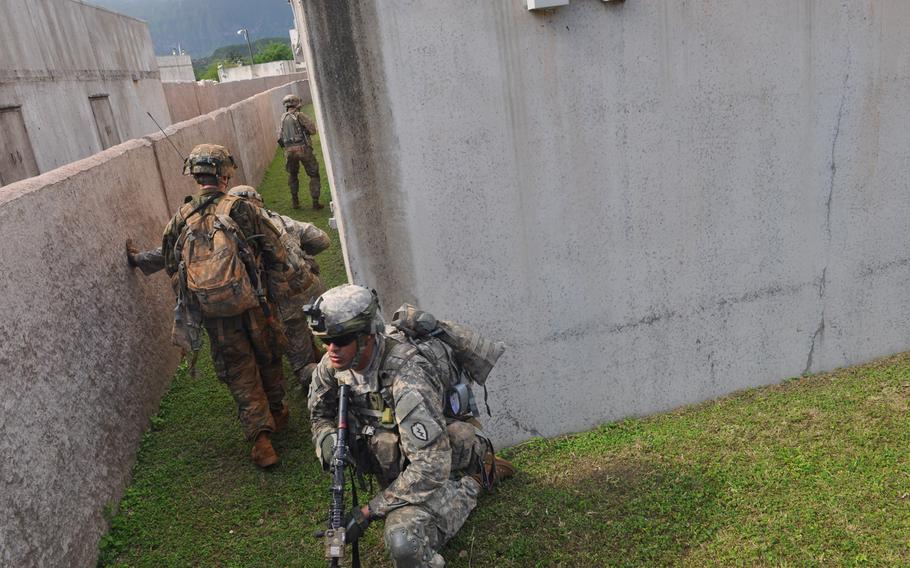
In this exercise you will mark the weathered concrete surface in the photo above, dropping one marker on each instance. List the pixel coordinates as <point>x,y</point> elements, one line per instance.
<point>212,128</point>
<point>55,54</point>
<point>653,203</point>
<point>85,350</point>
<point>189,100</point>
<point>176,68</point>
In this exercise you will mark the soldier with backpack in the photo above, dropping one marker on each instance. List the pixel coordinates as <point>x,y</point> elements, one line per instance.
<point>407,422</point>
<point>225,260</point>
<point>294,133</point>
<point>302,241</point>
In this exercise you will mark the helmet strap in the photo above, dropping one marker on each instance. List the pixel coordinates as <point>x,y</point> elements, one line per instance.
<point>361,347</point>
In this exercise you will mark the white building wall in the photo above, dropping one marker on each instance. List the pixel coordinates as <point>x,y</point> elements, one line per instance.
<point>244,72</point>
<point>652,203</point>
<point>175,68</point>
<point>55,54</point>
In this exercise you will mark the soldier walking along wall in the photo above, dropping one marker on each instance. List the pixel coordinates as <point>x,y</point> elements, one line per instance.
<point>85,350</point>
<point>653,203</point>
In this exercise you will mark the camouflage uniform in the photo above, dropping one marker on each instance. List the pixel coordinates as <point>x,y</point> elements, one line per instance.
<point>418,457</point>
<point>301,241</point>
<point>294,133</point>
<point>246,349</point>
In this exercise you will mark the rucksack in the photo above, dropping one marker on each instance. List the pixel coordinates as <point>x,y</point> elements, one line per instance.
<point>457,352</point>
<point>216,265</point>
<point>291,130</point>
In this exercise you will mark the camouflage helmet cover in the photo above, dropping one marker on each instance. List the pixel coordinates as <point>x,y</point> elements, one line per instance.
<point>247,192</point>
<point>345,309</point>
<point>291,101</point>
<point>210,159</point>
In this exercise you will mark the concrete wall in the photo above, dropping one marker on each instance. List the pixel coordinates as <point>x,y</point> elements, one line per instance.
<point>188,100</point>
<point>176,68</point>
<point>85,350</point>
<point>245,72</point>
<point>55,54</point>
<point>652,203</point>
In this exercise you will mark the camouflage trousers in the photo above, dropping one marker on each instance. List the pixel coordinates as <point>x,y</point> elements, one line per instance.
<point>414,533</point>
<point>302,154</point>
<point>301,344</point>
<point>247,356</point>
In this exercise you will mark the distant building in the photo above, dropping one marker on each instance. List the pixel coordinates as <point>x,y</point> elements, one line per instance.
<point>74,79</point>
<point>176,68</point>
<point>270,69</point>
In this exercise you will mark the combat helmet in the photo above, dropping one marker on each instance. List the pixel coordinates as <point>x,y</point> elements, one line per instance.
<point>344,310</point>
<point>291,101</point>
<point>247,192</point>
<point>209,159</point>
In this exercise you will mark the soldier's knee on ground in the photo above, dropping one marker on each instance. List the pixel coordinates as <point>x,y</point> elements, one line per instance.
<point>405,547</point>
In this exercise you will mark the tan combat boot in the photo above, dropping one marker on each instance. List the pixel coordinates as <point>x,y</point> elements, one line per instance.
<point>281,419</point>
<point>263,453</point>
<point>495,469</point>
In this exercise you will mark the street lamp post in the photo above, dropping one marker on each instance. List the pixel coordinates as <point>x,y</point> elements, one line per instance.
<point>245,33</point>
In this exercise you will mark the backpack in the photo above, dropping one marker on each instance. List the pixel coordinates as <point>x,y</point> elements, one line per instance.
<point>292,132</point>
<point>457,352</point>
<point>216,265</point>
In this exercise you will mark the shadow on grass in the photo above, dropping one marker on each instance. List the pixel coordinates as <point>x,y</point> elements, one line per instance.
<point>630,512</point>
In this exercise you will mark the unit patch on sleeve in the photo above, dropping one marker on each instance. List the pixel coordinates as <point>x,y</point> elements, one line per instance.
<point>419,431</point>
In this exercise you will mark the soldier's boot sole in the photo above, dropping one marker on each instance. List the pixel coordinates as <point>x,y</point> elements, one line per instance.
<point>263,454</point>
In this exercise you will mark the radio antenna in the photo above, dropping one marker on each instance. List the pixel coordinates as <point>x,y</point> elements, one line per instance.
<point>166,136</point>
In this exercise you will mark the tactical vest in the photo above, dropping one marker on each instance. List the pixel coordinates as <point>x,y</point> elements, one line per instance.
<point>377,449</point>
<point>292,132</point>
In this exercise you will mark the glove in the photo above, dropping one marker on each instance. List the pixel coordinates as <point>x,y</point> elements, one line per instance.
<point>131,252</point>
<point>327,448</point>
<point>355,524</point>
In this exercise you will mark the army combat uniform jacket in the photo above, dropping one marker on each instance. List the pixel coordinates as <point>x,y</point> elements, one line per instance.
<point>397,417</point>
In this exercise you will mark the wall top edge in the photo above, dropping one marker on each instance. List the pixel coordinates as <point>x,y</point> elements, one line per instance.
<point>21,188</point>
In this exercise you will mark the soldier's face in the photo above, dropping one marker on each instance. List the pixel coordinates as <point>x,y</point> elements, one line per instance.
<point>342,350</point>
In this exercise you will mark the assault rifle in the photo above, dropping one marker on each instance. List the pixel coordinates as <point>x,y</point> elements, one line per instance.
<point>334,535</point>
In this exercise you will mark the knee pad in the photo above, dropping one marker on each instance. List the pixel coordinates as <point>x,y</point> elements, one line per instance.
<point>404,548</point>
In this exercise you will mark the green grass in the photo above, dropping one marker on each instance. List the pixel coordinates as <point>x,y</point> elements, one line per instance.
<point>813,472</point>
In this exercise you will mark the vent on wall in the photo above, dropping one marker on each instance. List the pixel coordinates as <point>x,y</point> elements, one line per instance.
<point>544,4</point>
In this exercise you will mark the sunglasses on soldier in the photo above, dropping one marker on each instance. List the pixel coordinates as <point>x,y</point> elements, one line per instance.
<point>340,341</point>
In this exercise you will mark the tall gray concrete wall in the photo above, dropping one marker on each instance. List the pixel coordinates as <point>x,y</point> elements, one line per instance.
<point>85,350</point>
<point>189,100</point>
<point>55,54</point>
<point>652,203</point>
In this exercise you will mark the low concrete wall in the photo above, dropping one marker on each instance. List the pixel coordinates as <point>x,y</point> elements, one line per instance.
<point>188,100</point>
<point>652,203</point>
<point>85,351</point>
